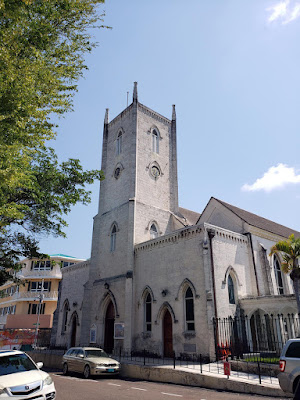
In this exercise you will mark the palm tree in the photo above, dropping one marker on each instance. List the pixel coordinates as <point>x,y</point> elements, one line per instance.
<point>289,250</point>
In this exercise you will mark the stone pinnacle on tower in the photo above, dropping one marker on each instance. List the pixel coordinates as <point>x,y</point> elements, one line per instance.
<point>106,116</point>
<point>173,113</point>
<point>135,93</point>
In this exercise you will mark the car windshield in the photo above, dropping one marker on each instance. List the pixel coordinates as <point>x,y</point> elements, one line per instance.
<point>15,363</point>
<point>96,353</point>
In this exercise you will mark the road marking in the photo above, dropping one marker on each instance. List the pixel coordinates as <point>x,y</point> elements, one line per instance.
<point>172,394</point>
<point>135,388</point>
<point>113,384</point>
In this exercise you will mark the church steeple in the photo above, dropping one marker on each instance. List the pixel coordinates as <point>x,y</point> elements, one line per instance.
<point>135,93</point>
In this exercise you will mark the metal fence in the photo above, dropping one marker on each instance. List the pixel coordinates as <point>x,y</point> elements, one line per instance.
<point>260,336</point>
<point>253,370</point>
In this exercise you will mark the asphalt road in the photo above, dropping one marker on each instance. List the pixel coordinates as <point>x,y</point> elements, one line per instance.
<point>76,388</point>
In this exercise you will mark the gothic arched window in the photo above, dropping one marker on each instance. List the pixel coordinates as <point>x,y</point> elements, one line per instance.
<point>113,236</point>
<point>65,317</point>
<point>278,275</point>
<point>153,231</point>
<point>148,313</point>
<point>231,295</point>
<point>189,310</point>
<point>155,141</point>
<point>119,143</point>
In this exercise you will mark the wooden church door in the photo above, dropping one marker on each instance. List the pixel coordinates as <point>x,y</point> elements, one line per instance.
<point>109,328</point>
<point>168,334</point>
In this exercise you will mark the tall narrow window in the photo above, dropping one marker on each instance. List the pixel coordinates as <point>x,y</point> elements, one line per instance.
<point>189,310</point>
<point>278,276</point>
<point>113,238</point>
<point>148,312</point>
<point>153,231</point>
<point>65,317</point>
<point>155,141</point>
<point>119,143</point>
<point>231,290</point>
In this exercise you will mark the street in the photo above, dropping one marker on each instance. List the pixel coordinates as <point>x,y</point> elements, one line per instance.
<point>76,388</point>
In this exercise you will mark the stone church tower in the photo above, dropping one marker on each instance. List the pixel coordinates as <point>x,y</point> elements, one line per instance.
<point>159,275</point>
<point>138,201</point>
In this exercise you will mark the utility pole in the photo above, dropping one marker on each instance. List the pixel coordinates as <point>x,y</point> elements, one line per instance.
<point>40,299</point>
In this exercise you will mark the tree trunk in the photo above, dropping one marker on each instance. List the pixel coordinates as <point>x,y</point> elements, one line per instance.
<point>296,290</point>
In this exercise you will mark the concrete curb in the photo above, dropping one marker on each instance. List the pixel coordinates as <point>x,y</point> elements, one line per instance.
<point>167,375</point>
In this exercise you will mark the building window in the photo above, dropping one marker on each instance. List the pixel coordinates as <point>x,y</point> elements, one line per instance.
<point>113,236</point>
<point>153,231</point>
<point>65,317</point>
<point>189,310</point>
<point>41,265</point>
<point>119,143</point>
<point>278,276</point>
<point>231,290</point>
<point>34,308</point>
<point>39,286</point>
<point>148,313</point>
<point>67,264</point>
<point>155,141</point>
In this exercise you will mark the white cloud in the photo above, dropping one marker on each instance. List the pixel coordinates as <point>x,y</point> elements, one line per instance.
<point>284,11</point>
<point>275,178</point>
<point>278,10</point>
<point>295,13</point>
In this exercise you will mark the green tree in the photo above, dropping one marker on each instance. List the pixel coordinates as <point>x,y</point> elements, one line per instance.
<point>42,48</point>
<point>289,252</point>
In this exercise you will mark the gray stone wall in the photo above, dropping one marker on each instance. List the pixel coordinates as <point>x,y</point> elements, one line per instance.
<point>72,291</point>
<point>167,266</point>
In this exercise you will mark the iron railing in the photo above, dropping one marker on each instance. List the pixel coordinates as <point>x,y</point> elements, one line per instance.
<point>262,336</point>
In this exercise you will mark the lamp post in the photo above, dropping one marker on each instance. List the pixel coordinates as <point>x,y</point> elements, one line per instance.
<point>40,299</point>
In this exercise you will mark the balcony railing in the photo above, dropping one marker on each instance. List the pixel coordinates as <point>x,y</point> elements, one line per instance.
<point>50,296</point>
<point>55,273</point>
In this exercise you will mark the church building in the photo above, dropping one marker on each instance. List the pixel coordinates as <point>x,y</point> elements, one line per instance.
<point>159,274</point>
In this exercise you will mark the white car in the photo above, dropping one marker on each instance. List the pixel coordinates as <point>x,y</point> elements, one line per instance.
<point>21,378</point>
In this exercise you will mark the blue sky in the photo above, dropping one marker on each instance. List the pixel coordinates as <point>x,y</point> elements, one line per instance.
<point>232,69</point>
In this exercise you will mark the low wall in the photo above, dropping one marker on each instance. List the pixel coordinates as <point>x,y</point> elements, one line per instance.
<point>50,359</point>
<point>252,368</point>
<point>167,375</point>
<point>53,359</point>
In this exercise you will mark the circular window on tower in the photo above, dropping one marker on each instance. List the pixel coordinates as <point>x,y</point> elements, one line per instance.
<point>117,172</point>
<point>155,172</point>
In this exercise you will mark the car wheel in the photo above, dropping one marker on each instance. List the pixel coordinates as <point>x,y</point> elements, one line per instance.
<point>65,369</point>
<point>86,372</point>
<point>296,387</point>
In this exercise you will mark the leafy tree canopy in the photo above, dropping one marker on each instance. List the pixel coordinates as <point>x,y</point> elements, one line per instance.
<point>289,252</point>
<point>42,49</point>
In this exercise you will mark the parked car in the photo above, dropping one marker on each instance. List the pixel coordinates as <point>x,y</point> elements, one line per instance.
<point>89,361</point>
<point>289,366</point>
<point>22,378</point>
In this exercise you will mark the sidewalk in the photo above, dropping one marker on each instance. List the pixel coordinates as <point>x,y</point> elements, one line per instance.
<point>212,377</point>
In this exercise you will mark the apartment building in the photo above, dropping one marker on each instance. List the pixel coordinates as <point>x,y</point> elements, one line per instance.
<point>33,301</point>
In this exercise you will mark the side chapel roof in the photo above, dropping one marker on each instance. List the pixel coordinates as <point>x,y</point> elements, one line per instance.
<point>260,222</point>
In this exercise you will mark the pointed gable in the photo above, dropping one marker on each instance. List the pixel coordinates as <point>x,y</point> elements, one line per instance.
<point>250,219</point>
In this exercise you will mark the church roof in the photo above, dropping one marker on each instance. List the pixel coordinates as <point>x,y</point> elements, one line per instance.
<point>260,222</point>
<point>190,216</point>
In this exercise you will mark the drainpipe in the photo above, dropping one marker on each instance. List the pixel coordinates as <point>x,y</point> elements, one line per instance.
<point>211,234</point>
<point>248,234</point>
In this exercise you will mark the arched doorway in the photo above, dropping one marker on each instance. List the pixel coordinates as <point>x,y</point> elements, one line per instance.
<point>73,331</point>
<point>168,334</point>
<point>109,328</point>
